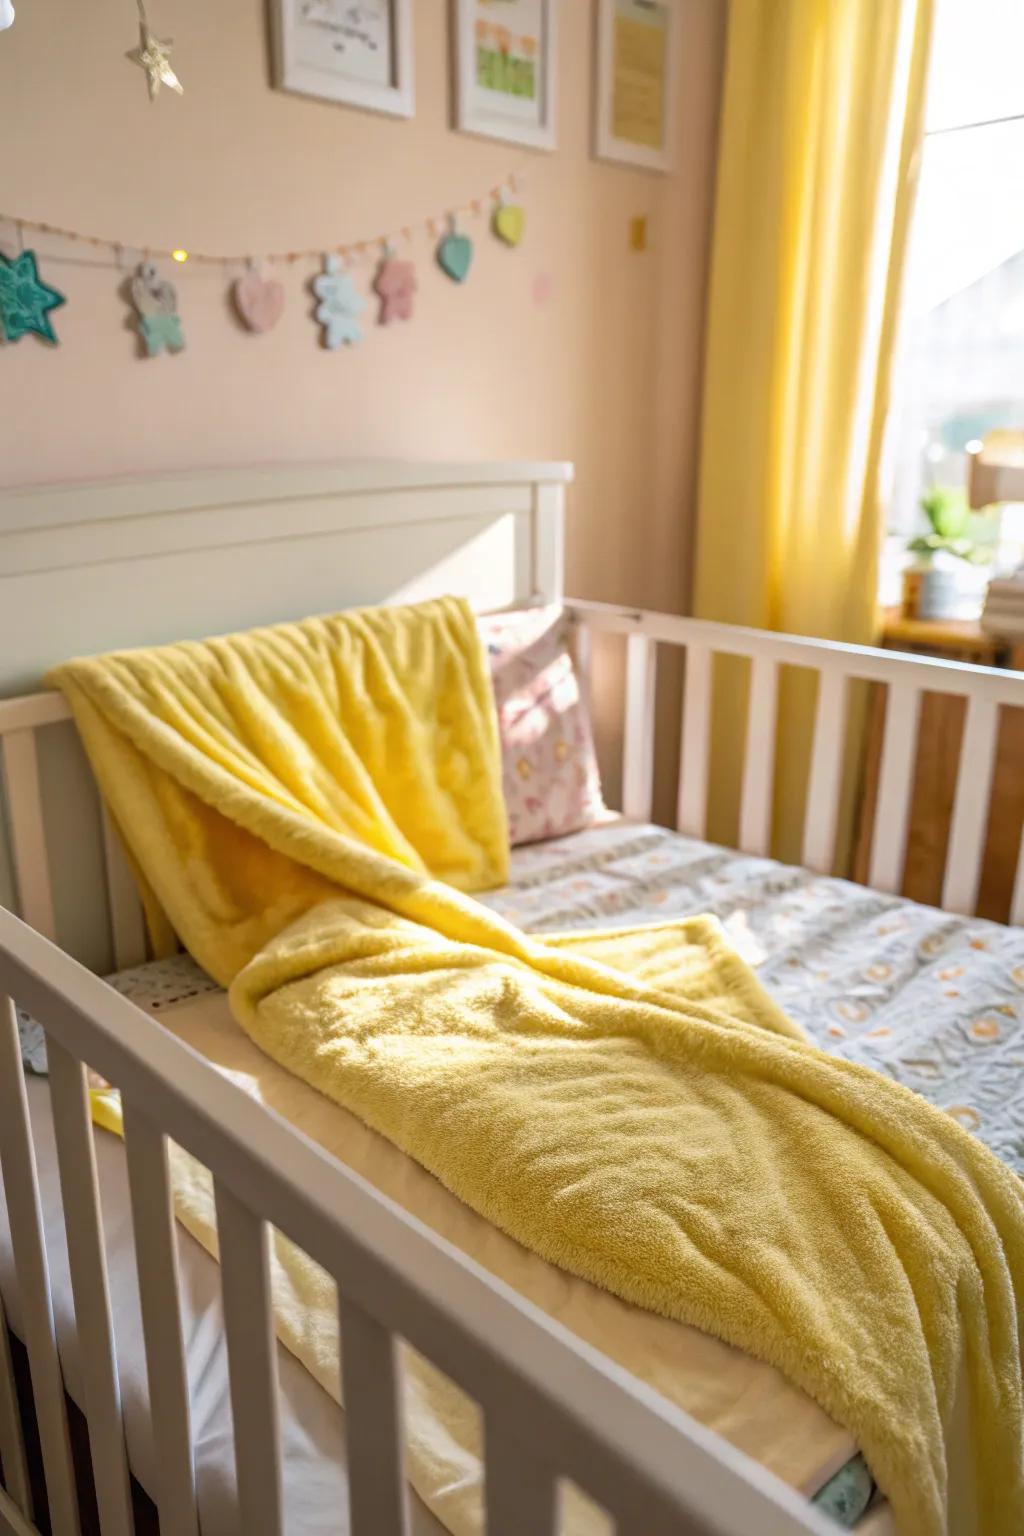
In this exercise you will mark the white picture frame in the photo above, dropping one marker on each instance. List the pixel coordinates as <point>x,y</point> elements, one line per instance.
<point>513,116</point>
<point>357,52</point>
<point>634,74</point>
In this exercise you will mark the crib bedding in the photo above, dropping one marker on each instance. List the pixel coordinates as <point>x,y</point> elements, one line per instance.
<point>933,1000</point>
<point>312,1425</point>
<point>307,805</point>
<point>746,1401</point>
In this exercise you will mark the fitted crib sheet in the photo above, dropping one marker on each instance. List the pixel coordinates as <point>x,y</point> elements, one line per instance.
<point>935,1001</point>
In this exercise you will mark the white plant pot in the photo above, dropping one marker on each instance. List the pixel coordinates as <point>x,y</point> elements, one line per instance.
<point>955,591</point>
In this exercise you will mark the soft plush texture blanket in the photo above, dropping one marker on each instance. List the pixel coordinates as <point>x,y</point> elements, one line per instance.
<point>630,1106</point>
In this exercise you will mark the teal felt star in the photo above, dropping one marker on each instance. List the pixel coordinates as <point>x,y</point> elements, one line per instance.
<point>25,301</point>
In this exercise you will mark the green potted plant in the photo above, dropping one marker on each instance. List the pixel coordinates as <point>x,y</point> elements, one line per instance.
<point>948,575</point>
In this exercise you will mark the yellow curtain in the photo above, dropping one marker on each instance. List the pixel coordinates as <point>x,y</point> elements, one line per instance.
<point>820,135</point>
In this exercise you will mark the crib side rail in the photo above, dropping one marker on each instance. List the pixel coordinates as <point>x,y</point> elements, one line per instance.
<point>553,1407</point>
<point>906,680</point>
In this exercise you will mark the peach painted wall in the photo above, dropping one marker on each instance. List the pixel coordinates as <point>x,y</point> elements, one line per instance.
<point>603,369</point>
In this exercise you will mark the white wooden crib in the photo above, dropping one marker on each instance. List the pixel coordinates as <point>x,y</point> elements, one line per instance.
<point>93,567</point>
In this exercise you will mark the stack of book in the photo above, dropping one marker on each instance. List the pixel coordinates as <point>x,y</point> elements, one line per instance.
<point>1004,606</point>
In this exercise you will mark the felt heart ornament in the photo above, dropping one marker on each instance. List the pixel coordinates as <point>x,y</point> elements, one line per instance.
<point>509,223</point>
<point>259,301</point>
<point>455,256</point>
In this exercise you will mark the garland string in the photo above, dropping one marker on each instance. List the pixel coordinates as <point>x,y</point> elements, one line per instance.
<point>351,250</point>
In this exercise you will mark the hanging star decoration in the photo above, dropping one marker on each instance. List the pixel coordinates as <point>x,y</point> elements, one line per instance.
<point>339,306</point>
<point>152,55</point>
<point>25,300</point>
<point>395,286</point>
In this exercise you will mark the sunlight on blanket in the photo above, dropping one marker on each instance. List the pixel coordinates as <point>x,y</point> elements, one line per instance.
<point>629,1105</point>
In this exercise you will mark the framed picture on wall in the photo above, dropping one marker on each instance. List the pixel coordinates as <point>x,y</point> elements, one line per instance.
<point>354,51</point>
<point>505,69</point>
<point>637,68</point>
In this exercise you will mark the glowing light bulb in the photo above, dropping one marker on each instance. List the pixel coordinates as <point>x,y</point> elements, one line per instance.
<point>179,256</point>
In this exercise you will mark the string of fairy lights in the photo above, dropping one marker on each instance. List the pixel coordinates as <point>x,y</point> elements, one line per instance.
<point>123,252</point>
<point>26,300</point>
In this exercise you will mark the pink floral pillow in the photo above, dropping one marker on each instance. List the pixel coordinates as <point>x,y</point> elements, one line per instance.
<point>549,769</point>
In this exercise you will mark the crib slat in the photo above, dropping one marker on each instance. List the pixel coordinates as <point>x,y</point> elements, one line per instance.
<point>12,1442</point>
<point>970,807</point>
<point>28,836</point>
<point>888,844</point>
<point>695,746</point>
<point>243,1240</point>
<point>156,1258</point>
<point>826,778</point>
<point>378,1502</point>
<point>127,924</point>
<point>583,663</point>
<point>521,1492</point>
<point>76,1159</point>
<point>17,1156</point>
<point>638,742</point>
<point>1017,901</point>
<point>759,757</point>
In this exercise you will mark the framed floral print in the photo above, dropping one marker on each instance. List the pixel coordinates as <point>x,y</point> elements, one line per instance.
<point>505,69</point>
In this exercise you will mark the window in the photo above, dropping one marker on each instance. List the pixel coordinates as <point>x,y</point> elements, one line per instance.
<point>961,370</point>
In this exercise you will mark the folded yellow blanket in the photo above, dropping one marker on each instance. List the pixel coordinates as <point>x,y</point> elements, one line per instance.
<point>630,1106</point>
<point>238,770</point>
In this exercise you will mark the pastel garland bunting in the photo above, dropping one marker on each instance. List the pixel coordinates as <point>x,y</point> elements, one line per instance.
<point>455,256</point>
<point>257,299</point>
<point>340,306</point>
<point>156,301</point>
<point>395,286</point>
<point>25,300</point>
<point>509,223</point>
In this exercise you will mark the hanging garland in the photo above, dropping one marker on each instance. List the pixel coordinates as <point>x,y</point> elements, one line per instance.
<point>455,255</point>
<point>259,301</point>
<point>156,301</point>
<point>509,222</point>
<point>340,306</point>
<point>395,286</point>
<point>25,300</point>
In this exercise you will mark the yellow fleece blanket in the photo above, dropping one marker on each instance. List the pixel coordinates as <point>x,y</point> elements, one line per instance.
<point>629,1106</point>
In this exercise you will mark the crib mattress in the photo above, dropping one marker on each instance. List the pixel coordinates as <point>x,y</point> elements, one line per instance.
<point>933,1000</point>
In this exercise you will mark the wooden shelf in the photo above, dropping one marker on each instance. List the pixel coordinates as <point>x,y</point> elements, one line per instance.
<point>941,636</point>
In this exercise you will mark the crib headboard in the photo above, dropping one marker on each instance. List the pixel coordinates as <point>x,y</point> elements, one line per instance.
<point>103,565</point>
